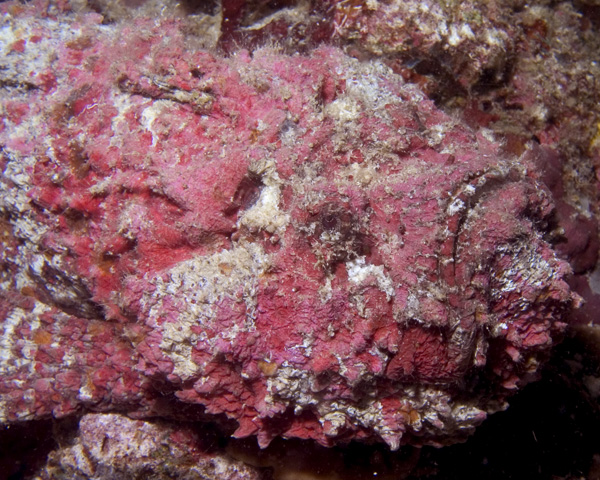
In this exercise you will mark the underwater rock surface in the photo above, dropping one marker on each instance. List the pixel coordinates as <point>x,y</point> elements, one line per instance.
<point>112,446</point>
<point>302,245</point>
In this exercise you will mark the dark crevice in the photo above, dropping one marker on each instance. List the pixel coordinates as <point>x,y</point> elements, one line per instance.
<point>246,194</point>
<point>24,447</point>
<point>494,78</point>
<point>69,295</point>
<point>201,7</point>
<point>23,86</point>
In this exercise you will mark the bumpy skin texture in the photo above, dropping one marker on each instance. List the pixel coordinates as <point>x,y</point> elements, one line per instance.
<point>302,244</point>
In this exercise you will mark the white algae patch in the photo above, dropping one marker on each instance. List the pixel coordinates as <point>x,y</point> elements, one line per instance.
<point>189,293</point>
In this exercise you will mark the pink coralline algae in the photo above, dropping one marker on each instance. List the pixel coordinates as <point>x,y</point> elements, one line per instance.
<point>301,245</point>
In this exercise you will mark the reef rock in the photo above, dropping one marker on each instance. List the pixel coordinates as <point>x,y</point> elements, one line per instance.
<point>301,245</point>
<point>114,447</point>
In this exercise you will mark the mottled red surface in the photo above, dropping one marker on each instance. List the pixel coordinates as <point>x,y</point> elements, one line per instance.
<point>305,245</point>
